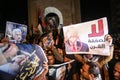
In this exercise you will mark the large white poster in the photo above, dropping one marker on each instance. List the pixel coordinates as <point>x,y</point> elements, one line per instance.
<point>87,37</point>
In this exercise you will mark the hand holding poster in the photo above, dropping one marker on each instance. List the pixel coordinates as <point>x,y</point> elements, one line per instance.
<point>87,37</point>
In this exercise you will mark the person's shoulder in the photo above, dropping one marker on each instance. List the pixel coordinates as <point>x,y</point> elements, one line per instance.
<point>81,43</point>
<point>84,44</point>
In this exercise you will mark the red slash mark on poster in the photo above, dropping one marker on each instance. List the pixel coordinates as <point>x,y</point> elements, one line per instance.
<point>100,29</point>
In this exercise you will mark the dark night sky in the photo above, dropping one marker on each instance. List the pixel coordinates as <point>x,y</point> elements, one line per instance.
<point>93,9</point>
<point>16,10</point>
<point>13,10</point>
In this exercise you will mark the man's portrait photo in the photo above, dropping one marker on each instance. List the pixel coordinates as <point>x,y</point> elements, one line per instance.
<point>15,32</point>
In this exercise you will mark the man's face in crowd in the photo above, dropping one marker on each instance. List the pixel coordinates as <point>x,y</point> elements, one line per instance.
<point>51,59</point>
<point>117,54</point>
<point>117,71</point>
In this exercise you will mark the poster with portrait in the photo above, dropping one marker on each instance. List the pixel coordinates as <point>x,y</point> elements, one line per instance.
<point>47,39</point>
<point>87,37</point>
<point>21,61</point>
<point>58,71</point>
<point>15,32</point>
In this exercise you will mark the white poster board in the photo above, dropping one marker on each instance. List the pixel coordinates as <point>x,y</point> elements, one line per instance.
<point>87,37</point>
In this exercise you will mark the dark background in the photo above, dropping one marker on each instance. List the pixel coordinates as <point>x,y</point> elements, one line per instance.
<point>93,9</point>
<point>13,10</point>
<point>16,11</point>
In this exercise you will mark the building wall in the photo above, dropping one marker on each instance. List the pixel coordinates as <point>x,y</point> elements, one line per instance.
<point>70,10</point>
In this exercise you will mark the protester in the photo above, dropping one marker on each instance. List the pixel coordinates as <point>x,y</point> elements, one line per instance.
<point>116,71</point>
<point>51,58</point>
<point>55,73</point>
<point>100,60</point>
<point>90,71</point>
<point>111,63</point>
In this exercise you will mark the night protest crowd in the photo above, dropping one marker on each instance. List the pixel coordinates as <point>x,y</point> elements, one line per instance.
<point>84,67</point>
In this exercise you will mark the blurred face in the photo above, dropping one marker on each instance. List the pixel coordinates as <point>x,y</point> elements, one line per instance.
<point>51,22</point>
<point>17,36</point>
<point>117,54</point>
<point>60,51</point>
<point>117,71</point>
<point>72,39</point>
<point>51,60</point>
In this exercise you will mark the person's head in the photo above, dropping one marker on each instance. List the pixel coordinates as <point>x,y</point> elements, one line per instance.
<point>116,71</point>
<point>72,35</point>
<point>51,21</point>
<point>60,51</point>
<point>50,57</point>
<point>117,52</point>
<point>90,71</point>
<point>17,34</point>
